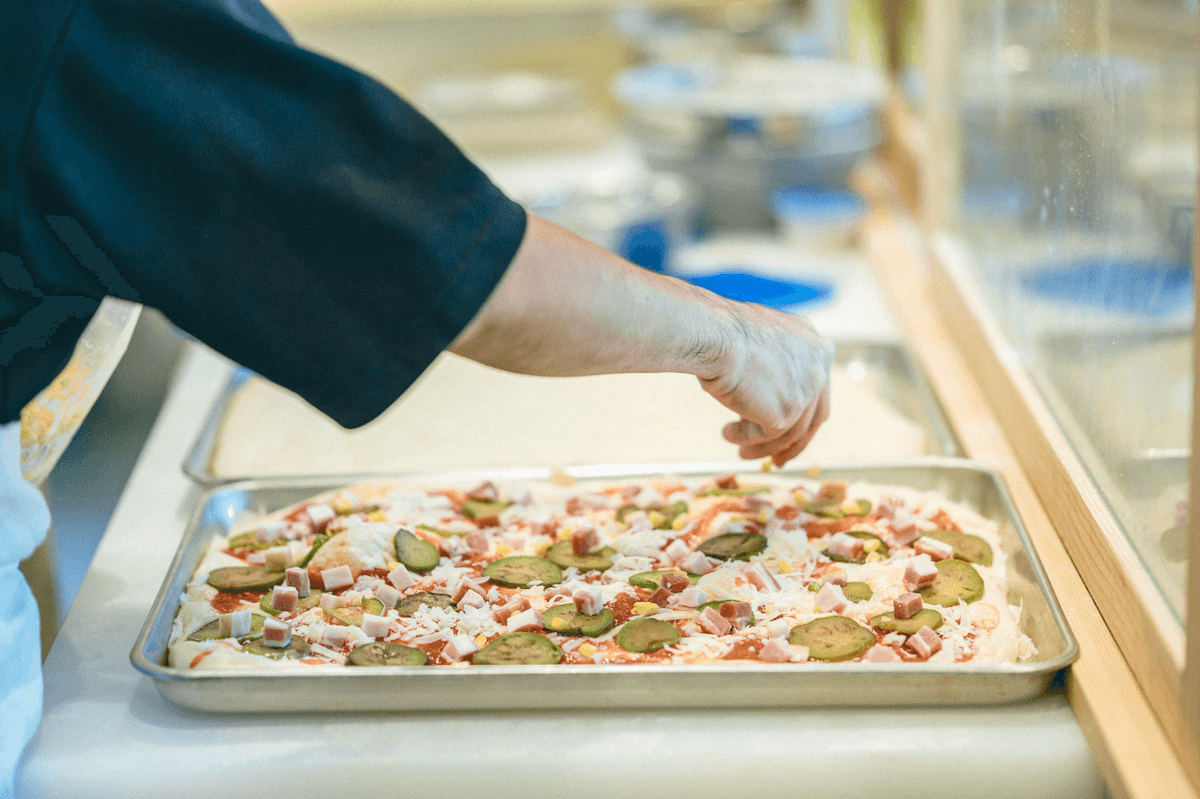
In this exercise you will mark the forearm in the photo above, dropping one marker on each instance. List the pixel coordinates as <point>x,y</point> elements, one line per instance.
<point>566,307</point>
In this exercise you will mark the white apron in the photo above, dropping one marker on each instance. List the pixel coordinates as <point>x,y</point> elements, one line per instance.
<point>28,451</point>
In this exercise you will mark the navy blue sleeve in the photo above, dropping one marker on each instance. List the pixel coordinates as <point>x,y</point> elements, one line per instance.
<point>288,211</point>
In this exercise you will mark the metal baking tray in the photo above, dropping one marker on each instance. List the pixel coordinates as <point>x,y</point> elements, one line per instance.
<point>890,367</point>
<point>743,685</point>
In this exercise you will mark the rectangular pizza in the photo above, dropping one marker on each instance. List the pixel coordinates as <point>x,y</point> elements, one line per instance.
<point>665,569</point>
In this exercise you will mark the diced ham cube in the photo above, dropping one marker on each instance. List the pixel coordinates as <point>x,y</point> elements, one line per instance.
<point>459,646</point>
<point>276,633</point>
<point>374,626</point>
<point>739,614</point>
<point>467,586</point>
<point>525,621</point>
<point>585,540</point>
<point>277,559</point>
<point>755,505</point>
<point>297,578</point>
<point>846,546</point>
<point>677,551</point>
<point>319,514</point>
<point>920,573</point>
<point>401,578</point>
<point>760,576</point>
<point>502,614</point>
<point>661,597</point>
<point>387,595</point>
<point>453,546</point>
<point>675,582</point>
<point>589,600</point>
<point>832,489</point>
<point>696,563</point>
<point>835,576</point>
<point>881,654</point>
<point>904,535</point>
<point>490,520</point>
<point>269,531</point>
<point>234,625</point>
<point>778,628</point>
<point>925,642</point>
<point>336,578</point>
<point>830,599</point>
<point>476,541</point>
<point>935,549</point>
<point>472,600</point>
<point>778,650</point>
<point>284,597</point>
<point>691,597</point>
<point>727,481</point>
<point>330,601</point>
<point>906,606</point>
<point>335,636</point>
<point>258,558</point>
<point>711,621</point>
<point>484,492</point>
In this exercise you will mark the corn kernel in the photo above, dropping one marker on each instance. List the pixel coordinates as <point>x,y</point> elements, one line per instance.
<point>587,650</point>
<point>504,549</point>
<point>564,533</point>
<point>377,516</point>
<point>799,498</point>
<point>785,567</point>
<point>764,516</point>
<point>679,522</point>
<point>558,624</point>
<point>814,471</point>
<point>872,544</point>
<point>766,466</point>
<point>642,608</point>
<point>480,640</point>
<point>393,565</point>
<point>873,557</point>
<point>656,518</point>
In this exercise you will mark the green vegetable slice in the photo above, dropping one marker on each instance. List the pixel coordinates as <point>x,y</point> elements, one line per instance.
<point>653,579</point>
<point>956,580</point>
<point>826,508</point>
<point>415,553</point>
<point>925,617</point>
<point>411,604</point>
<point>832,638</point>
<point>444,533</point>
<point>967,547</point>
<point>646,635</point>
<point>477,509</point>
<point>733,492</point>
<point>386,653</point>
<point>212,630</point>
<point>857,592</point>
<point>302,604</point>
<point>871,543</point>
<point>352,614</point>
<point>295,650</point>
<point>563,556</point>
<point>518,571</point>
<point>519,649</point>
<point>317,543</point>
<point>238,579</point>
<point>566,620</point>
<point>250,540</point>
<point>733,546</point>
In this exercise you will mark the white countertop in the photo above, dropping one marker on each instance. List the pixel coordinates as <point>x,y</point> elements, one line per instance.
<point>107,732</point>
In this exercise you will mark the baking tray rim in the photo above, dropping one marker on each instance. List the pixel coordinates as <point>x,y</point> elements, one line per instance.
<point>1043,670</point>
<point>196,465</point>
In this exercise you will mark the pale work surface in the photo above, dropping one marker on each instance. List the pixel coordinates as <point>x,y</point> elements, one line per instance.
<point>106,731</point>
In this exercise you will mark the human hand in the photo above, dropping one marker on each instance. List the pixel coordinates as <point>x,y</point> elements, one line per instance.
<point>777,380</point>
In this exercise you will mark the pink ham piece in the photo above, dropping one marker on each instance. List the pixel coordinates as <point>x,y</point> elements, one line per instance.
<point>589,600</point>
<point>676,550</point>
<point>525,621</point>
<point>256,558</point>
<point>711,621</point>
<point>467,586</point>
<point>276,633</point>
<point>920,573</point>
<point>472,600</point>
<point>335,636</point>
<point>760,576</point>
<point>830,599</point>
<point>374,626</point>
<point>297,578</point>
<point>739,614</point>
<point>401,578</point>
<point>881,654</point>
<point>330,601</point>
<point>459,646</point>
<point>727,481</point>
<point>935,549</point>
<point>906,606</point>
<point>846,546</point>
<point>284,597</point>
<point>387,595</point>
<point>675,582</point>
<point>925,642</point>
<point>904,535</point>
<point>453,546</point>
<point>585,540</point>
<point>336,578</point>
<point>832,489</point>
<point>269,531</point>
<point>476,541</point>
<point>778,650</point>
<point>691,597</point>
<point>502,614</point>
<point>661,597</point>
<point>484,492</point>
<point>319,514</point>
<point>696,563</point>
<point>234,625</point>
